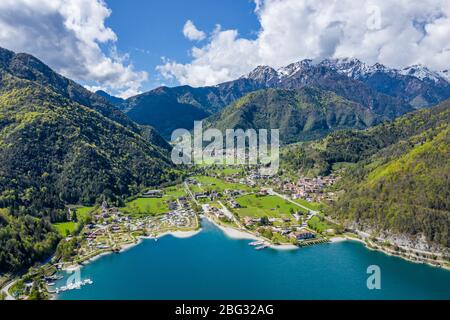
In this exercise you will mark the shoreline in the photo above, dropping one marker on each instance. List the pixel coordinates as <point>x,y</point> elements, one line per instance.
<point>238,234</point>
<point>234,234</point>
<point>387,252</point>
<point>125,247</point>
<point>177,234</point>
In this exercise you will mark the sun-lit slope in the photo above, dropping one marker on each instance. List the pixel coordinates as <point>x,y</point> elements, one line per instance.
<point>55,151</point>
<point>300,115</point>
<point>404,189</point>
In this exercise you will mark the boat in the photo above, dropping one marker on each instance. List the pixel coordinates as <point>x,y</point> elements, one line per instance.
<point>261,247</point>
<point>75,285</point>
<point>255,243</point>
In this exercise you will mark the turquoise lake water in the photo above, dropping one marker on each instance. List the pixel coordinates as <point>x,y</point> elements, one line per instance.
<point>212,266</point>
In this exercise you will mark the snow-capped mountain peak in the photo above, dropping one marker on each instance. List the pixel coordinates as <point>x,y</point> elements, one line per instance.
<point>262,74</point>
<point>353,68</point>
<point>421,72</point>
<point>294,68</point>
<point>445,74</point>
<point>350,67</point>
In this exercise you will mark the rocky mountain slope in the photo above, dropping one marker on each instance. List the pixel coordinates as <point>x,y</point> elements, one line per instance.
<point>386,91</point>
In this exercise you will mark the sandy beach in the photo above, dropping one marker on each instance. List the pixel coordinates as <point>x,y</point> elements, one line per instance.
<point>338,239</point>
<point>233,233</point>
<point>184,234</point>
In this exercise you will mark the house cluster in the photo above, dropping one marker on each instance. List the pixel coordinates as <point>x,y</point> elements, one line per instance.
<point>184,203</point>
<point>234,193</point>
<point>298,233</point>
<point>217,212</point>
<point>250,180</point>
<point>301,235</point>
<point>109,215</point>
<point>234,204</point>
<point>152,194</point>
<point>311,189</point>
<point>208,195</point>
<point>178,218</point>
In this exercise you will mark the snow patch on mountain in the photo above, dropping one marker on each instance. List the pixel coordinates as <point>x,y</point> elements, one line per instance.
<point>421,72</point>
<point>350,67</point>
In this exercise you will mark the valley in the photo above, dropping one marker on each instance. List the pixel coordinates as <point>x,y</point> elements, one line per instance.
<point>84,175</point>
<point>274,212</point>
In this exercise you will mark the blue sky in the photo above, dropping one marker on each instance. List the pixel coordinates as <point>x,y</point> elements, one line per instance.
<point>149,30</point>
<point>117,45</point>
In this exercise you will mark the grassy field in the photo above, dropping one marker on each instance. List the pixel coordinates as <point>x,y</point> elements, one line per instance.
<point>211,183</point>
<point>228,171</point>
<point>270,206</point>
<point>175,191</point>
<point>152,206</point>
<point>310,205</point>
<point>83,212</point>
<point>319,225</point>
<point>65,228</point>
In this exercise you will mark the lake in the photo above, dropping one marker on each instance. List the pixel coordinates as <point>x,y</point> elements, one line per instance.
<point>210,265</point>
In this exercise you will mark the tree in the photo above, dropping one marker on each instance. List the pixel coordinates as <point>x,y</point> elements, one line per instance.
<point>74,216</point>
<point>264,221</point>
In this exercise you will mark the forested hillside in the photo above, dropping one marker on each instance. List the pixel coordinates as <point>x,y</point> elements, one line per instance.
<point>403,189</point>
<point>318,157</point>
<point>55,151</point>
<point>400,179</point>
<point>304,114</point>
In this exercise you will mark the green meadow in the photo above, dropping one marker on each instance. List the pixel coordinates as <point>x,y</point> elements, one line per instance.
<point>315,206</point>
<point>260,206</point>
<point>212,183</point>
<point>175,191</point>
<point>67,228</point>
<point>151,206</point>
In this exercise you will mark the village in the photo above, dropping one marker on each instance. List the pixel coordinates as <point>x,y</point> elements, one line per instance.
<point>277,211</point>
<point>273,211</point>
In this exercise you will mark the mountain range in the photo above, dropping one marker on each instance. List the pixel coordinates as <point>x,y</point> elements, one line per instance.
<point>385,92</point>
<point>61,144</point>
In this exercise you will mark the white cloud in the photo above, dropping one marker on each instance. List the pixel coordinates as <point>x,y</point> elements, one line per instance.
<point>68,35</point>
<point>191,32</point>
<point>396,33</point>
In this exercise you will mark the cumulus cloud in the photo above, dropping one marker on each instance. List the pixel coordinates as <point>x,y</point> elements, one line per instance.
<point>68,35</point>
<point>396,33</point>
<point>191,32</point>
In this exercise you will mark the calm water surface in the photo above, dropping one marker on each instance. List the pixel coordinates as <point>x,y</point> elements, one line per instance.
<point>212,266</point>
